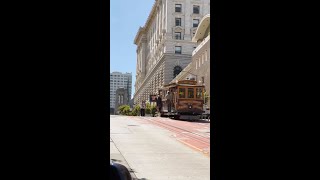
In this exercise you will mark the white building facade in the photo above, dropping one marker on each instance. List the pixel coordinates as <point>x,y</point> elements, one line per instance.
<point>119,80</point>
<point>164,43</point>
<point>199,67</point>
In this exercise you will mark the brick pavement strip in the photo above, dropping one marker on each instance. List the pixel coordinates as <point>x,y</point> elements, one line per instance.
<point>182,130</point>
<point>186,132</point>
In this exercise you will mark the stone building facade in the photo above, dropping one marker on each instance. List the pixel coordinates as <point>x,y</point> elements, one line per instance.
<point>199,68</point>
<point>121,98</point>
<point>164,43</point>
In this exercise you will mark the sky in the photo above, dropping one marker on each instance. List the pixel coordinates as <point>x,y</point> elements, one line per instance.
<point>126,16</point>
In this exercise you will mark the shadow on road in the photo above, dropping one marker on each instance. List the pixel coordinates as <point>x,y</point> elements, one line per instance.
<point>133,171</point>
<point>195,121</point>
<point>116,160</point>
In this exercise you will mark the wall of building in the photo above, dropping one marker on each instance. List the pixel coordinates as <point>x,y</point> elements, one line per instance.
<point>119,80</point>
<point>156,44</point>
<point>199,68</point>
<point>201,65</point>
<point>121,98</point>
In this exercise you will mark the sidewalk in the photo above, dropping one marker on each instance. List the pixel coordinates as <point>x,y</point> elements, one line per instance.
<point>117,157</point>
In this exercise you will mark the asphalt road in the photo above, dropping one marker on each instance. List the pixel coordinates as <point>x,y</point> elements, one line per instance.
<point>155,148</point>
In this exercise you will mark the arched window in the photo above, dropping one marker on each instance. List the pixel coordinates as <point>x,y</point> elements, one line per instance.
<point>176,71</point>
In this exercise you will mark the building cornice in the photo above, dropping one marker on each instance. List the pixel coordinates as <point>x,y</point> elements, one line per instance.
<point>138,35</point>
<point>147,24</point>
<point>203,25</point>
<point>152,13</point>
<point>200,45</point>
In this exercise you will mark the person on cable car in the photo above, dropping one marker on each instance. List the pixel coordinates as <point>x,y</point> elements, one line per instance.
<point>169,101</point>
<point>143,108</point>
<point>159,104</point>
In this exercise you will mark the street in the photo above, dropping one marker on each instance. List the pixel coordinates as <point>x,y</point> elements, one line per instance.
<point>155,148</point>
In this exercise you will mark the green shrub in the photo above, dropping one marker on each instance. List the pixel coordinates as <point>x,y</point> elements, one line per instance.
<point>124,110</point>
<point>206,98</point>
<point>120,109</point>
<point>148,108</point>
<point>153,110</point>
<point>135,111</point>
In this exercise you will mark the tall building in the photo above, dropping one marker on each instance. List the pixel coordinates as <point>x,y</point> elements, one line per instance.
<point>119,80</point>
<point>199,67</point>
<point>164,43</point>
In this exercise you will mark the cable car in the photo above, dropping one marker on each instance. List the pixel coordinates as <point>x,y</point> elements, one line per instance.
<point>187,100</point>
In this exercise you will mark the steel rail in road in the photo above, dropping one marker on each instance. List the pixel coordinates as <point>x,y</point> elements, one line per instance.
<point>204,139</point>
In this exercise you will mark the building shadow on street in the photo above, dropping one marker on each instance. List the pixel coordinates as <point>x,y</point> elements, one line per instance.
<point>116,160</point>
<point>134,178</point>
<point>198,121</point>
<point>195,121</point>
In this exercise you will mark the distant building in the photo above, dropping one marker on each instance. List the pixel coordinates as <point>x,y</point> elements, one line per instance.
<point>199,68</point>
<point>112,111</point>
<point>121,98</point>
<point>119,80</point>
<point>131,103</point>
<point>164,43</point>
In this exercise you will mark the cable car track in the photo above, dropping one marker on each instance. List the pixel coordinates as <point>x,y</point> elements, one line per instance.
<point>184,132</point>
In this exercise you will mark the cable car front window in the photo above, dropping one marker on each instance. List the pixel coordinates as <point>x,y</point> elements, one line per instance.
<point>190,93</point>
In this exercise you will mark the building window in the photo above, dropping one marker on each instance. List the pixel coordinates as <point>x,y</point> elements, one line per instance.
<point>178,7</point>
<point>177,35</point>
<point>195,22</point>
<point>196,9</point>
<point>178,49</point>
<point>178,21</point>
<point>176,71</point>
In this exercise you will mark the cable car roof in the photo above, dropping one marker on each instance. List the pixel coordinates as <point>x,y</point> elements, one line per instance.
<point>177,84</point>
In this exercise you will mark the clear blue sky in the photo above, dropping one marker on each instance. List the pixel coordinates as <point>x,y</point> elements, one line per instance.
<point>126,16</point>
